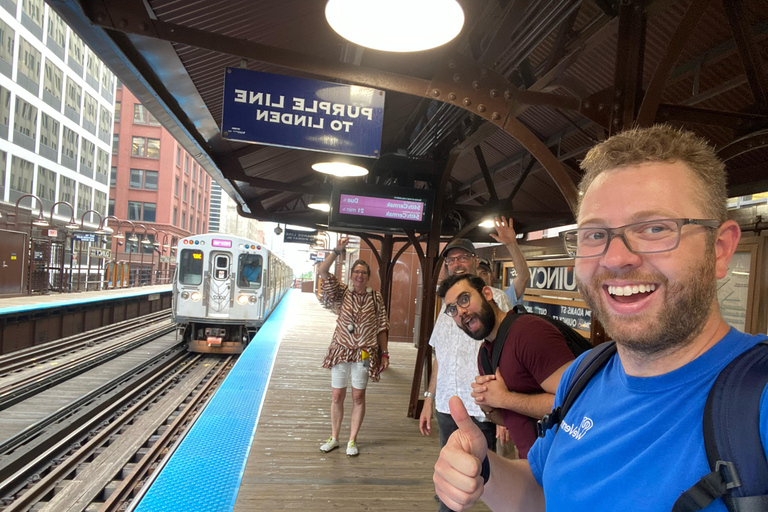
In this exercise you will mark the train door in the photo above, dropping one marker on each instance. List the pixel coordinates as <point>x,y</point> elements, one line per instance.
<point>220,292</point>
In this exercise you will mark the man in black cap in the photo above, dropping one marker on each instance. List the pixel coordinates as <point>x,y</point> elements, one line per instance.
<point>455,363</point>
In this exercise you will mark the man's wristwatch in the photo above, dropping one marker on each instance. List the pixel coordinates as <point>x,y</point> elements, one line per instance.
<point>427,394</point>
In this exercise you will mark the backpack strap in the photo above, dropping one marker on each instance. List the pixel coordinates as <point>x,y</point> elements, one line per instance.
<point>489,366</point>
<point>732,439</point>
<point>588,367</point>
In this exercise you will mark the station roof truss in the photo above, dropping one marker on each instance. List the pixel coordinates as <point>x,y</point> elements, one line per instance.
<point>495,121</point>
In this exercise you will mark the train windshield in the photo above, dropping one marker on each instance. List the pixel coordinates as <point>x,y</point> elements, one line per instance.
<point>249,270</point>
<point>191,266</point>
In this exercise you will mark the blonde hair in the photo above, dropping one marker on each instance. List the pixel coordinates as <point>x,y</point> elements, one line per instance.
<point>662,143</point>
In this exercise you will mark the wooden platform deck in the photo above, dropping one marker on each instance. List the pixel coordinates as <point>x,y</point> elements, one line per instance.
<point>287,471</point>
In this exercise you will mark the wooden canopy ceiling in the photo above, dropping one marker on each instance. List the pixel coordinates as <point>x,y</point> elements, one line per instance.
<point>496,121</point>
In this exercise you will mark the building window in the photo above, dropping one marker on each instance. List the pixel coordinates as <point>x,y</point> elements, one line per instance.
<point>102,164</point>
<point>205,205</point>
<point>107,80</point>
<point>74,96</point>
<point>29,61</point>
<point>92,67</point>
<point>25,120</point>
<point>143,116</point>
<point>192,199</point>
<point>184,196</point>
<point>34,9</point>
<point>175,215</point>
<point>69,144</point>
<point>115,143</point>
<point>66,189</point>
<point>176,187</point>
<point>142,146</point>
<point>57,29</point>
<point>134,210</point>
<point>105,124</point>
<point>6,47</point>
<point>111,208</point>
<point>143,179</point>
<point>186,164</point>
<point>113,177</point>
<point>46,184</point>
<point>141,211</point>
<point>148,215</point>
<point>118,110</point>
<point>90,110</point>
<point>87,149</point>
<point>84,194</point>
<point>21,175</point>
<point>99,201</point>
<point>183,218</point>
<point>76,48</point>
<point>52,80</point>
<point>49,132</point>
<point>178,157</point>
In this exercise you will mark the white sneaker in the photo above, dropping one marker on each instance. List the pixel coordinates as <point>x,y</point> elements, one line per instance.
<point>329,445</point>
<point>352,449</point>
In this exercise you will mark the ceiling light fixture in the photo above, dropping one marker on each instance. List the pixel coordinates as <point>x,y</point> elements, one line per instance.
<point>396,25</point>
<point>340,169</point>
<point>323,207</point>
<point>486,224</point>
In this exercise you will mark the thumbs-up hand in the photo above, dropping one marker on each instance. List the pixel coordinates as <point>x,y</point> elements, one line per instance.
<point>457,471</point>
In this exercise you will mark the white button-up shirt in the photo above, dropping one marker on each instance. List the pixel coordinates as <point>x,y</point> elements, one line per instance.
<point>456,354</point>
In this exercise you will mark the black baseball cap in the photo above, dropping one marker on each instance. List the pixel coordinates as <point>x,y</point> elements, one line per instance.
<point>482,262</point>
<point>459,243</point>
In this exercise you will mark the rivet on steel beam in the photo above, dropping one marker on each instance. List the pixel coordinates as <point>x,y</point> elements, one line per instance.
<point>616,107</point>
<point>481,108</point>
<point>452,96</point>
<point>435,92</point>
<point>508,94</point>
<point>467,102</point>
<point>475,84</point>
<point>600,107</point>
<point>587,104</point>
<point>457,78</point>
<point>495,116</point>
<point>98,18</point>
<point>618,93</point>
<point>451,64</point>
<point>494,93</point>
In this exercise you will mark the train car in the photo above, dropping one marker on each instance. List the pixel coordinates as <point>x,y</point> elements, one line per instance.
<point>224,289</point>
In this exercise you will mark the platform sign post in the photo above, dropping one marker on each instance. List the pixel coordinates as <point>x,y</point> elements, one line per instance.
<point>301,113</point>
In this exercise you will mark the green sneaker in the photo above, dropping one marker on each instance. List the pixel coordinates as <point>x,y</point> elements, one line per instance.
<point>352,449</point>
<point>329,445</point>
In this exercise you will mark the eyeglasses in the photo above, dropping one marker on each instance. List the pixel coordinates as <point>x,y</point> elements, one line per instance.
<point>463,258</point>
<point>462,301</point>
<point>647,237</point>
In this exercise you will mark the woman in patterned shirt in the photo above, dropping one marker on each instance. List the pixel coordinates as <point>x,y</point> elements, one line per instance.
<point>358,348</point>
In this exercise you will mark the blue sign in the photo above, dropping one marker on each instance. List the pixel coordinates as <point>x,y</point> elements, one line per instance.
<point>577,317</point>
<point>293,112</point>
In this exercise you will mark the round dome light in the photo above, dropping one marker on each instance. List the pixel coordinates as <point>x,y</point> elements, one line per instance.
<point>323,207</point>
<point>340,169</point>
<point>396,25</point>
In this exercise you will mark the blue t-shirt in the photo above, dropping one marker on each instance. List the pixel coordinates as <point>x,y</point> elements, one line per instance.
<point>635,443</point>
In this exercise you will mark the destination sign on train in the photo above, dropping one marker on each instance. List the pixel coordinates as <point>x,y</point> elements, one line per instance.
<point>386,208</point>
<point>301,113</point>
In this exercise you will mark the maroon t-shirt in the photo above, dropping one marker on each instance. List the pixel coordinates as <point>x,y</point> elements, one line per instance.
<point>534,350</point>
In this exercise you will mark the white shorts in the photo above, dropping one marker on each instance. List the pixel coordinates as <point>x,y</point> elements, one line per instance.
<point>341,373</point>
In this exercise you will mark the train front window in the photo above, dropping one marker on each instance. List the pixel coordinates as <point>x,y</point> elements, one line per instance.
<point>191,266</point>
<point>221,272</point>
<point>249,270</point>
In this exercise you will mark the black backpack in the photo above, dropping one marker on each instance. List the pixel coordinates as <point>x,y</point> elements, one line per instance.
<point>731,430</point>
<point>577,343</point>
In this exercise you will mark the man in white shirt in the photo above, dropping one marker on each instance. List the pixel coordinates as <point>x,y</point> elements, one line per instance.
<point>455,363</point>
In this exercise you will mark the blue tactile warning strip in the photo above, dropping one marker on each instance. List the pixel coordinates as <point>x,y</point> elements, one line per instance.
<point>74,299</point>
<point>205,471</point>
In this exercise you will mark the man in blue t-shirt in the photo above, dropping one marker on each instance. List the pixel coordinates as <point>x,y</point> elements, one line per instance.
<point>653,239</point>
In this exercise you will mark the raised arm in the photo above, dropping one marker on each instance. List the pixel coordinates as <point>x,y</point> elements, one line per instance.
<point>325,266</point>
<point>506,235</point>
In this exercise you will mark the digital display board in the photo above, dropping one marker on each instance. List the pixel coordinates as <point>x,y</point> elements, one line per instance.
<point>221,243</point>
<point>381,208</point>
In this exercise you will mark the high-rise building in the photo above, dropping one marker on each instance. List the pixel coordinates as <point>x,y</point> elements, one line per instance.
<point>215,213</point>
<point>156,187</point>
<point>56,114</point>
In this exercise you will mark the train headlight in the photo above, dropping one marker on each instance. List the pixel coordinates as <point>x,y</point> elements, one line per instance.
<point>252,299</point>
<point>195,296</point>
<point>242,300</point>
<point>185,295</point>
